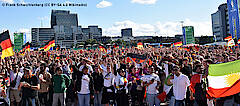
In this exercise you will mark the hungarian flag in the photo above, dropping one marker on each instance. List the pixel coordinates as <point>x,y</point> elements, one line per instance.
<point>6,45</point>
<point>224,79</point>
<point>49,44</point>
<point>102,48</point>
<point>228,38</point>
<point>178,44</point>
<point>140,45</point>
<point>231,42</point>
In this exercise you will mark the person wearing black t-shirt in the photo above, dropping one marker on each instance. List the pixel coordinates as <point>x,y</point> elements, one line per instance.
<point>29,84</point>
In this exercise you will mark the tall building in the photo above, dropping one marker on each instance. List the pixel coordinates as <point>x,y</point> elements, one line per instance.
<point>126,32</point>
<point>63,18</point>
<point>220,23</point>
<point>18,41</point>
<point>188,35</point>
<point>65,30</point>
<point>233,14</point>
<point>95,32</point>
<point>41,35</point>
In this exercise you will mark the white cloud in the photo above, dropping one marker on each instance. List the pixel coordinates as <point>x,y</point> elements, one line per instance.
<point>22,1</point>
<point>44,21</point>
<point>103,4</point>
<point>7,1</point>
<point>43,18</point>
<point>144,1</point>
<point>158,29</point>
<point>68,2</point>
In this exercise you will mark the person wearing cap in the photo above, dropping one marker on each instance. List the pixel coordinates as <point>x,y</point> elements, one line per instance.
<point>29,84</point>
<point>180,83</point>
<point>15,77</point>
<point>60,83</point>
<point>152,82</point>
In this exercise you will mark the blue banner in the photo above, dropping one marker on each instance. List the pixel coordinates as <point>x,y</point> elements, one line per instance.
<point>184,36</point>
<point>233,18</point>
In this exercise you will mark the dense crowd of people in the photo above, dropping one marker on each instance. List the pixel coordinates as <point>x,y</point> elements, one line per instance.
<point>93,77</point>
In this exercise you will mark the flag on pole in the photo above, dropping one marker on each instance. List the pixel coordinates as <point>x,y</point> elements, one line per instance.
<point>178,44</point>
<point>102,48</point>
<point>27,46</point>
<point>49,44</point>
<point>228,38</point>
<point>224,79</point>
<point>161,46</point>
<point>6,44</point>
<point>238,41</point>
<point>41,49</point>
<point>172,45</point>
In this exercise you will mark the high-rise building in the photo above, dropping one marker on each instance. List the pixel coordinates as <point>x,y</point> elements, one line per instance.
<point>65,29</point>
<point>41,35</point>
<point>220,23</point>
<point>63,18</point>
<point>95,32</point>
<point>234,16</point>
<point>18,41</point>
<point>126,32</point>
<point>188,35</point>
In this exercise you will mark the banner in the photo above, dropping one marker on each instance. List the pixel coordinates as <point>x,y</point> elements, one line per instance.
<point>233,18</point>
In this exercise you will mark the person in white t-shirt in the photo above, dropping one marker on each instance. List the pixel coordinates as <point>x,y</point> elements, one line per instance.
<point>15,77</point>
<point>180,83</point>
<point>152,82</point>
<point>108,89</point>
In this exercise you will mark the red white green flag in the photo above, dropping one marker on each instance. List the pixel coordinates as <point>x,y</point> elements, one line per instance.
<point>224,79</point>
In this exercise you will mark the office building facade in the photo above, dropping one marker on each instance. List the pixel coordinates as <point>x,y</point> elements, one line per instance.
<point>41,35</point>
<point>65,30</point>
<point>220,23</point>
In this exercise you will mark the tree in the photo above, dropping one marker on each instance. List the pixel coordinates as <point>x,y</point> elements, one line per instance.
<point>91,41</point>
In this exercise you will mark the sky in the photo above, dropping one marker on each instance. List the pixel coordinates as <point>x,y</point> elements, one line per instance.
<point>146,17</point>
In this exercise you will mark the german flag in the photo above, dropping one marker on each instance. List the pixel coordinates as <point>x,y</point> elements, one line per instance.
<point>238,41</point>
<point>58,47</point>
<point>228,38</point>
<point>27,46</point>
<point>49,44</point>
<point>102,48</point>
<point>41,49</point>
<point>137,58</point>
<point>6,45</point>
<point>22,52</point>
<point>178,44</point>
<point>161,46</point>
